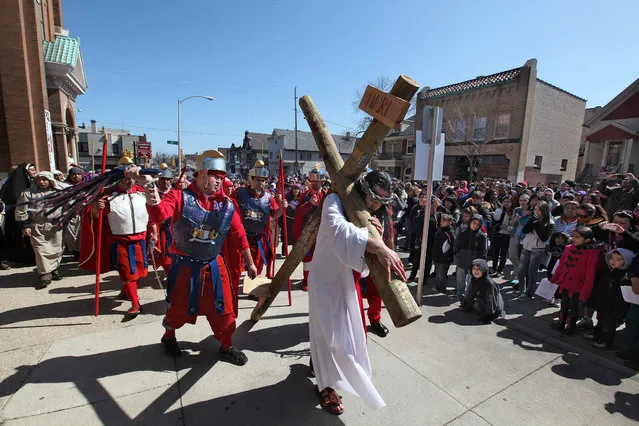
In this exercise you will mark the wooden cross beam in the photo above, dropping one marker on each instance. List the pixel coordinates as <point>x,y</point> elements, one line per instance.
<point>399,302</point>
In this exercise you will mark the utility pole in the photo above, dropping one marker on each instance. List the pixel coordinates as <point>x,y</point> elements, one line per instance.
<point>297,169</point>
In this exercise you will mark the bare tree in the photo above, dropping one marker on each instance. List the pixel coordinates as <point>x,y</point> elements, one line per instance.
<point>461,132</point>
<point>384,83</point>
<point>164,157</point>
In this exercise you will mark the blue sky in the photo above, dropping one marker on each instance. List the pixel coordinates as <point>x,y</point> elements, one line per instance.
<point>142,56</point>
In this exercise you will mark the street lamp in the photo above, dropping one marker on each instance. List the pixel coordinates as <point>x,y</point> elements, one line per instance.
<point>208,98</point>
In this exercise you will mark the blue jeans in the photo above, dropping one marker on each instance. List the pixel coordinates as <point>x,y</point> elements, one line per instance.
<point>529,262</point>
<point>441,272</point>
<point>462,275</point>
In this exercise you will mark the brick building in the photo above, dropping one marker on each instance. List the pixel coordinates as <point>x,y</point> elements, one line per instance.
<point>611,136</point>
<point>41,74</point>
<point>509,125</point>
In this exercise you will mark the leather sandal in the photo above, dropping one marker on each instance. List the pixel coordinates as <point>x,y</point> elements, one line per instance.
<point>330,400</point>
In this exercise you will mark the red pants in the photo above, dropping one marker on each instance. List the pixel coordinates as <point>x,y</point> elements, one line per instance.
<point>256,254</point>
<point>222,323</point>
<point>129,269</point>
<point>374,301</point>
<point>356,278</point>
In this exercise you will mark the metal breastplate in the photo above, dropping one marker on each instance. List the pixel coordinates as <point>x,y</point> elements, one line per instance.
<point>200,233</point>
<point>128,214</point>
<point>254,211</point>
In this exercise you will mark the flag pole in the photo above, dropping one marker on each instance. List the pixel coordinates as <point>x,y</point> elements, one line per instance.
<point>98,255</point>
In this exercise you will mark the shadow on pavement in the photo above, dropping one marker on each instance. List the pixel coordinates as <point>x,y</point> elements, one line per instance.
<point>625,404</point>
<point>576,368</point>
<point>458,317</point>
<point>289,402</point>
<point>76,308</point>
<point>525,341</point>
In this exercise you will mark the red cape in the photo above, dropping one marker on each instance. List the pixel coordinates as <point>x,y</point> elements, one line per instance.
<point>88,242</point>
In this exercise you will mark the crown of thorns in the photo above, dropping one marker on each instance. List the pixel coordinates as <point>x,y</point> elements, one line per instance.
<point>369,191</point>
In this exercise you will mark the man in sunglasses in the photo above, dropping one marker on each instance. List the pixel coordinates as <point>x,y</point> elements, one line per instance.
<point>257,205</point>
<point>204,222</point>
<point>336,317</point>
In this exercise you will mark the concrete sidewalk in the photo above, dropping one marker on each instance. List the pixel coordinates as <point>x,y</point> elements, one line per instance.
<point>61,365</point>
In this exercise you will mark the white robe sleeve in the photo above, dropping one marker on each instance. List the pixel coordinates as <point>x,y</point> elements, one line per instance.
<point>348,241</point>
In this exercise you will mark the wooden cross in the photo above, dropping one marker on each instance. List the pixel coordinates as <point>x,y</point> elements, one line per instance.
<point>388,109</point>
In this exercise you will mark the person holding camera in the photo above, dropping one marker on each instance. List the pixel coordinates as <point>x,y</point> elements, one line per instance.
<point>621,192</point>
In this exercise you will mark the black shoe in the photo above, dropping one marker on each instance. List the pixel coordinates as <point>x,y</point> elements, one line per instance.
<point>233,355</point>
<point>379,329</point>
<point>55,275</point>
<point>4,265</point>
<point>171,347</point>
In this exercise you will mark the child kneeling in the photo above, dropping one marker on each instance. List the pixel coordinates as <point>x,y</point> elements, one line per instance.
<point>483,294</point>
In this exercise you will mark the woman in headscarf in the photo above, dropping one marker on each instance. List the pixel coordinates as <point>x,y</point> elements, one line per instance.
<point>17,246</point>
<point>45,239</point>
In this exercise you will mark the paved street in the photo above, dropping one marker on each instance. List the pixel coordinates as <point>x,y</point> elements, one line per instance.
<point>61,365</point>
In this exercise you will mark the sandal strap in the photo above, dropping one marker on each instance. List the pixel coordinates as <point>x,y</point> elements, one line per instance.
<point>330,396</point>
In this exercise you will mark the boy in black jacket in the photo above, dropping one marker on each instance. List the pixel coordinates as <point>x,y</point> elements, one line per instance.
<point>471,244</point>
<point>442,251</point>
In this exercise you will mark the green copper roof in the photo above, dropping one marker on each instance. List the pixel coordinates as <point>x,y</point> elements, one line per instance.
<point>64,50</point>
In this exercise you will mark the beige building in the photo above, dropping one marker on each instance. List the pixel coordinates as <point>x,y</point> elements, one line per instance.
<point>91,141</point>
<point>509,125</point>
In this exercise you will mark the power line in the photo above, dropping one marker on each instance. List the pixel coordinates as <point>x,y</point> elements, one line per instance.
<point>161,130</point>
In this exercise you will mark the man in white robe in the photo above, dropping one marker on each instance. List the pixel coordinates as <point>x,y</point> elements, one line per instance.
<point>337,332</point>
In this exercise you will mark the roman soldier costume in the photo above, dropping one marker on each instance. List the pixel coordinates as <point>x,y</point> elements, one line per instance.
<point>255,210</point>
<point>199,283</point>
<point>310,200</point>
<point>123,237</point>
